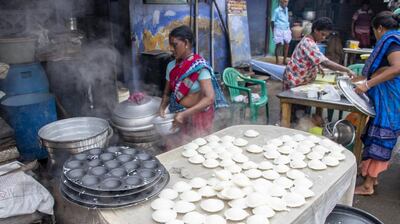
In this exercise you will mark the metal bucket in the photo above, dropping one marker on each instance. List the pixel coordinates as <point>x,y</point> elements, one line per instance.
<point>341,131</point>
<point>74,135</point>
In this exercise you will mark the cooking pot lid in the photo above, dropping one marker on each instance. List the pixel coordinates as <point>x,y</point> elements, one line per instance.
<point>130,109</point>
<point>360,101</point>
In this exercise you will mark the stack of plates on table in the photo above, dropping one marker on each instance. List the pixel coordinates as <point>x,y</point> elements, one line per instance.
<point>112,177</point>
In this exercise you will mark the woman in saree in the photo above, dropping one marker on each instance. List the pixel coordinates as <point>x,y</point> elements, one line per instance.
<point>191,90</point>
<point>382,85</point>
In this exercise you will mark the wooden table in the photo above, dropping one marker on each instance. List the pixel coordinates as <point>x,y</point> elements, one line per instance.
<point>288,98</point>
<point>360,51</point>
<point>331,186</point>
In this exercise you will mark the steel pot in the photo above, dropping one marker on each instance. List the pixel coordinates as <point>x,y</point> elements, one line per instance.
<point>134,116</point>
<point>72,136</point>
<point>143,136</point>
<point>164,125</point>
<point>341,131</point>
<point>309,15</point>
<point>74,133</point>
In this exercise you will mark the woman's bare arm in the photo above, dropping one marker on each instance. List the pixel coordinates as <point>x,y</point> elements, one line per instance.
<point>165,99</point>
<point>387,73</point>
<point>383,74</point>
<point>207,99</point>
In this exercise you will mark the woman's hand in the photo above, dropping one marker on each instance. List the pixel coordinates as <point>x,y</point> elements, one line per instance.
<point>361,88</point>
<point>321,71</point>
<point>162,112</point>
<point>351,74</point>
<point>179,119</point>
<point>358,79</point>
<point>379,71</point>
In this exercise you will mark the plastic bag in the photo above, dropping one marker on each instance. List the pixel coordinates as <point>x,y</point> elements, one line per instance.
<point>254,96</point>
<point>239,98</point>
<point>331,93</point>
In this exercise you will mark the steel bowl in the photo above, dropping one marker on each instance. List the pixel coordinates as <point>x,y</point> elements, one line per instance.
<point>309,15</point>
<point>164,125</point>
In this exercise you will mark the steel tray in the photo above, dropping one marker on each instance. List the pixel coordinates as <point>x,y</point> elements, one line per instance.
<point>112,169</point>
<point>120,202</point>
<point>360,101</point>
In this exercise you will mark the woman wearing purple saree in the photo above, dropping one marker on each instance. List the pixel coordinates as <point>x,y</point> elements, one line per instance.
<point>382,85</point>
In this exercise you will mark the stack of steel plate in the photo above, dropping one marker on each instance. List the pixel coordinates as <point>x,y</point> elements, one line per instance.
<point>112,177</point>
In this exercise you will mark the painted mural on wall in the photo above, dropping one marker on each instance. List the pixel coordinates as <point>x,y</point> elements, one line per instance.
<point>239,33</point>
<point>151,25</point>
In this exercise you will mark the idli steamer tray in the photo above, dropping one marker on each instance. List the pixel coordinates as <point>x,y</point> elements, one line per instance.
<point>95,202</point>
<point>112,169</point>
<point>93,193</point>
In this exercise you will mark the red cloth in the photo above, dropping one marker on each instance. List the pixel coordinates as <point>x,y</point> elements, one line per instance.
<point>136,97</point>
<point>182,87</point>
<point>373,168</point>
<point>199,125</point>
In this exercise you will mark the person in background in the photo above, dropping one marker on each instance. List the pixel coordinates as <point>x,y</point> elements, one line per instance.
<point>381,75</point>
<point>307,59</point>
<point>361,23</point>
<point>281,29</point>
<point>191,90</point>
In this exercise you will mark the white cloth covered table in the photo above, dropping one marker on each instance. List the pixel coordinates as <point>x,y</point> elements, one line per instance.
<point>331,186</point>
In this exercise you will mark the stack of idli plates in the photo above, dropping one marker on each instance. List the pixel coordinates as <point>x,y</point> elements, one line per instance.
<point>112,177</point>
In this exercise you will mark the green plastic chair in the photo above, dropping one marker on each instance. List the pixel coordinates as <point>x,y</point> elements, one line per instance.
<point>236,84</point>
<point>356,68</point>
